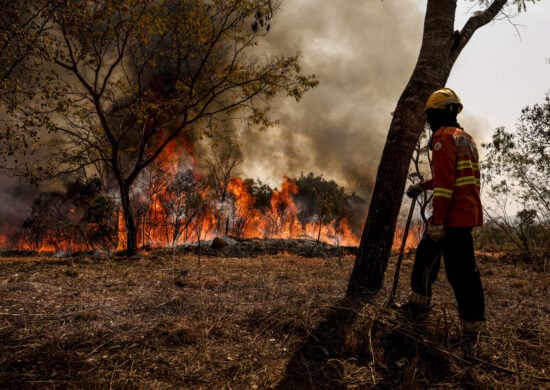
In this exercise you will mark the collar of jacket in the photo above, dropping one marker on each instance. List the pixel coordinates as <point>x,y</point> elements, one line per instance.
<point>450,124</point>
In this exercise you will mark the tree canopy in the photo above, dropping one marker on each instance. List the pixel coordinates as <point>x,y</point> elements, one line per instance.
<point>119,81</point>
<point>516,169</point>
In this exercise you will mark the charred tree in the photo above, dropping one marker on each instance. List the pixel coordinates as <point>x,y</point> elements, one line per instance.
<point>441,46</point>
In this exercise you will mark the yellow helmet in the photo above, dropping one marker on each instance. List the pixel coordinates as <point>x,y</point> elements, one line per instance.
<point>442,98</point>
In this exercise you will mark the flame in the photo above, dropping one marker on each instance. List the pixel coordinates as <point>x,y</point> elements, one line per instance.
<point>237,216</point>
<point>173,160</point>
<point>411,242</point>
<point>121,231</point>
<point>163,224</point>
<point>4,241</point>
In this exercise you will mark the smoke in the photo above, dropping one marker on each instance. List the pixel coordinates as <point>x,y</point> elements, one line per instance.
<point>16,197</point>
<point>363,53</point>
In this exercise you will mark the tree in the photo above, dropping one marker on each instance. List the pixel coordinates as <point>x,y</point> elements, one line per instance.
<point>21,23</point>
<point>50,225</point>
<point>127,79</point>
<point>441,46</point>
<point>319,200</point>
<point>98,220</point>
<point>182,202</point>
<point>226,157</point>
<point>77,219</point>
<point>261,192</point>
<point>517,167</point>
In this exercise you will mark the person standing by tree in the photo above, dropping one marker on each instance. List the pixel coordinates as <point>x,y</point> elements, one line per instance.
<point>456,210</point>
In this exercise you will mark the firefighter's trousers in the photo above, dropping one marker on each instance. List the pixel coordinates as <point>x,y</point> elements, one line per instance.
<point>457,250</point>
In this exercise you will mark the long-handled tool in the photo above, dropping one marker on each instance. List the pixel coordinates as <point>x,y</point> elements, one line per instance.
<point>401,253</point>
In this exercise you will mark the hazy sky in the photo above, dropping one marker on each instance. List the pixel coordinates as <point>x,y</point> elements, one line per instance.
<point>363,52</point>
<point>505,67</point>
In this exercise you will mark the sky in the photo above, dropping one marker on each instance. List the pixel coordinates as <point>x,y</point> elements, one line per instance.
<point>363,52</point>
<point>505,67</point>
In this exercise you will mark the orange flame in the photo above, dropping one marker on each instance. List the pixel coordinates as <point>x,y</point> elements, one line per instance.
<point>412,240</point>
<point>236,215</point>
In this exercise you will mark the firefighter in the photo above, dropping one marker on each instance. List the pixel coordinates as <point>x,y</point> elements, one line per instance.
<point>457,209</point>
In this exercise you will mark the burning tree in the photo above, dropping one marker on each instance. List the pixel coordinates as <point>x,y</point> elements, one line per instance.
<point>124,80</point>
<point>226,156</point>
<point>80,218</point>
<point>170,206</point>
<point>322,201</point>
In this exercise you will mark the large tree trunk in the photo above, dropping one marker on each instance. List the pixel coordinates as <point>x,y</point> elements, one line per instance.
<point>440,48</point>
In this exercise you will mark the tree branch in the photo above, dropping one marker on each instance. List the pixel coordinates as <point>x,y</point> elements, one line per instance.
<point>474,23</point>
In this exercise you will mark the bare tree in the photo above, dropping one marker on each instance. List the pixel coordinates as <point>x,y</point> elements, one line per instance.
<point>226,156</point>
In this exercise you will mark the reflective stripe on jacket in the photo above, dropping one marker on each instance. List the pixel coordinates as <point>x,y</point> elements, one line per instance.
<point>456,179</point>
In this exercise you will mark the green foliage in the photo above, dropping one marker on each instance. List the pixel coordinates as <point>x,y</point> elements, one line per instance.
<point>517,167</point>
<point>99,210</point>
<point>319,199</point>
<point>523,158</point>
<point>261,193</point>
<point>83,190</point>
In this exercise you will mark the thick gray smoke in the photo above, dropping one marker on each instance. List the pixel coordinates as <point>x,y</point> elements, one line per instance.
<point>363,52</point>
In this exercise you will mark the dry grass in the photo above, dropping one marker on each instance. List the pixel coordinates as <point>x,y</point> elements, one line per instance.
<point>165,321</point>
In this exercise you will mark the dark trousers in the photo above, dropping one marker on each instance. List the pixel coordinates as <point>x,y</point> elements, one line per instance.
<point>457,249</point>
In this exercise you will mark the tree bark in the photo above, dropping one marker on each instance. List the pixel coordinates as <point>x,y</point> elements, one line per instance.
<point>440,48</point>
<point>131,230</point>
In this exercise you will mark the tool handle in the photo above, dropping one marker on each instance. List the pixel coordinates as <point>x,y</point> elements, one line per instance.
<point>401,253</point>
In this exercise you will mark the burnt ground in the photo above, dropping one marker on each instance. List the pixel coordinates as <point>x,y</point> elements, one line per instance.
<point>168,319</point>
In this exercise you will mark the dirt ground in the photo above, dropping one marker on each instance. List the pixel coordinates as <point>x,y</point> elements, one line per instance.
<point>177,321</point>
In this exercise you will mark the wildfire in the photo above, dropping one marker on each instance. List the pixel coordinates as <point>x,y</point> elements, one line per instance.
<point>3,241</point>
<point>412,240</point>
<point>238,216</point>
<point>176,207</point>
<point>173,161</point>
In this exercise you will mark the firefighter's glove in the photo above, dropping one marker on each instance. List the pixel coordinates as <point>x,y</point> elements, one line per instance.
<point>414,190</point>
<point>436,232</point>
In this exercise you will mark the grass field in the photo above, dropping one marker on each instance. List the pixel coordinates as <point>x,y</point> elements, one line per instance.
<point>161,321</point>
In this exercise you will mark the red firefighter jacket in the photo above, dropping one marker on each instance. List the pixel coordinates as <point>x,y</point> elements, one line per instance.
<point>456,179</point>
